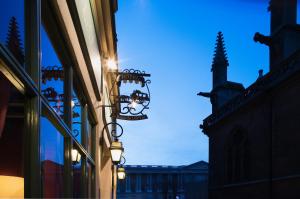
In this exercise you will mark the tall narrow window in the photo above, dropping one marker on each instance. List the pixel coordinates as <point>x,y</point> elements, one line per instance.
<point>89,132</point>
<point>138,183</point>
<point>77,110</point>
<point>52,157</point>
<point>128,185</point>
<point>90,178</point>
<point>149,183</point>
<point>144,182</point>
<point>77,177</point>
<point>236,156</point>
<point>133,182</point>
<point>52,74</point>
<point>170,182</point>
<point>159,182</point>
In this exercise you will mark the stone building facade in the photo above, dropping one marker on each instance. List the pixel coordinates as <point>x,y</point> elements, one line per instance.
<point>164,182</point>
<point>254,132</point>
<point>54,79</point>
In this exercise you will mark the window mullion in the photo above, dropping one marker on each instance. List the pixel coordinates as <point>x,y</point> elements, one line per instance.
<point>68,113</point>
<point>32,162</point>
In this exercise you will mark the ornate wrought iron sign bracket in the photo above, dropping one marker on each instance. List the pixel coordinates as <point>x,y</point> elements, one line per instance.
<point>132,106</point>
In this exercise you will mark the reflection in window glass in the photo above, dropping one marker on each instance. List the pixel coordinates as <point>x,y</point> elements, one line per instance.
<point>77,118</point>
<point>12,27</point>
<point>11,140</point>
<point>90,178</point>
<point>52,157</point>
<point>89,136</point>
<point>52,75</point>
<point>77,173</point>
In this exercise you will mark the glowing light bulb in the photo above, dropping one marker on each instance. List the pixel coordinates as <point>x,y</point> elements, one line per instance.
<point>112,64</point>
<point>133,104</point>
<point>72,103</point>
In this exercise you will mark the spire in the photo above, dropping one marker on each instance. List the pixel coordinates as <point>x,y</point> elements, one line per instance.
<point>13,41</point>
<point>220,63</point>
<point>220,56</point>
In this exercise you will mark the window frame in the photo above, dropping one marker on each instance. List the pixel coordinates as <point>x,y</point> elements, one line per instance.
<point>28,81</point>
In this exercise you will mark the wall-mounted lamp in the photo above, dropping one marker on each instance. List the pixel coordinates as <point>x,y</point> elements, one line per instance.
<point>75,156</point>
<point>121,170</point>
<point>121,173</point>
<point>116,147</point>
<point>116,150</point>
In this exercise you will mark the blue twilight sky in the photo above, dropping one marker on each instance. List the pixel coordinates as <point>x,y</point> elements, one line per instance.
<point>174,41</point>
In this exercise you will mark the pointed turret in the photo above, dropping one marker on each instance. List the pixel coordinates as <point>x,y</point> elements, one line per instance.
<point>13,41</point>
<point>223,90</point>
<point>220,62</point>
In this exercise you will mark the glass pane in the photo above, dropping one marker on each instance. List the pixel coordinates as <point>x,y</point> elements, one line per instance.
<point>77,119</point>
<point>12,27</point>
<point>52,157</point>
<point>90,179</point>
<point>52,75</point>
<point>11,140</point>
<point>77,176</point>
<point>89,136</point>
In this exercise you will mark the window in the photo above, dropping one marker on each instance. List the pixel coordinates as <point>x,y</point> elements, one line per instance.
<point>11,140</point>
<point>77,110</point>
<point>52,157</point>
<point>149,183</point>
<point>165,183</point>
<point>77,177</point>
<point>90,179</point>
<point>154,182</point>
<point>144,182</point>
<point>138,183</point>
<point>128,185</point>
<point>52,75</point>
<point>159,182</point>
<point>89,131</point>
<point>236,156</point>
<point>133,182</point>
<point>170,182</point>
<point>66,105</point>
<point>49,137</point>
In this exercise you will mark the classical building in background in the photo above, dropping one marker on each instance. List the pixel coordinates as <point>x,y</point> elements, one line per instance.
<point>254,132</point>
<point>54,79</point>
<point>164,182</point>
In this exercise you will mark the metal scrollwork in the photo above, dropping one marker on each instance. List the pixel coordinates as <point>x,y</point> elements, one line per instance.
<point>55,72</point>
<point>75,132</point>
<point>123,161</point>
<point>114,129</point>
<point>132,106</point>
